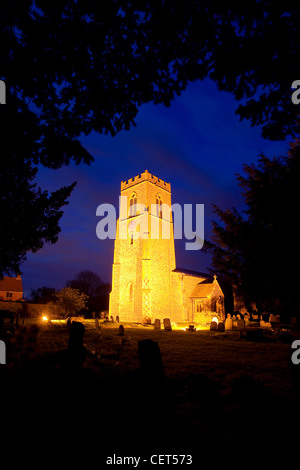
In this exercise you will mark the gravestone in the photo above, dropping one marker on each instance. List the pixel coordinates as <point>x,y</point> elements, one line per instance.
<point>151,361</point>
<point>167,324</point>
<point>214,326</point>
<point>221,326</point>
<point>240,324</point>
<point>157,324</point>
<point>117,319</point>
<point>76,350</point>
<point>121,330</point>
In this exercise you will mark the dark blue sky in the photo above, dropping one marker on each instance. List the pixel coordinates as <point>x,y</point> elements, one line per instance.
<point>197,144</point>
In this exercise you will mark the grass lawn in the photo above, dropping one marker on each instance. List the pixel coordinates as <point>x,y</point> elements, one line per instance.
<point>220,391</point>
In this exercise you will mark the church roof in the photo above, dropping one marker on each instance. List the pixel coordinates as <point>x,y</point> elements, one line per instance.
<point>189,272</point>
<point>11,284</point>
<point>203,289</point>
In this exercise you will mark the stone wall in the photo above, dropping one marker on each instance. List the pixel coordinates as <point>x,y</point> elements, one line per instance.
<point>29,309</point>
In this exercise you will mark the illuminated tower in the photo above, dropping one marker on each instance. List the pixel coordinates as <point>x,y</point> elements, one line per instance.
<point>144,253</point>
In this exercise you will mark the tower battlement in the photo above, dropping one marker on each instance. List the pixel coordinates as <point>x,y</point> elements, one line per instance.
<point>145,176</point>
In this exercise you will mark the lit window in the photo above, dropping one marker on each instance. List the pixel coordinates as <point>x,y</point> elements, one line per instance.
<point>158,206</point>
<point>133,203</point>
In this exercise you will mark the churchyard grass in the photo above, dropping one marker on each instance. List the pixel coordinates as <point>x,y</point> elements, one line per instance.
<point>219,387</point>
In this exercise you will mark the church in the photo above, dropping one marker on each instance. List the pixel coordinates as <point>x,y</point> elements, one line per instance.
<point>146,285</point>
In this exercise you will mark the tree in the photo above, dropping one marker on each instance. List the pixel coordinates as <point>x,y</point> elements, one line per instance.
<point>92,65</point>
<point>43,295</point>
<point>257,249</point>
<point>29,216</point>
<point>92,285</point>
<point>70,301</point>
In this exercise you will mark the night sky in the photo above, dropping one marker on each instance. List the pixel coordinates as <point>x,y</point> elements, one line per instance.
<point>198,144</point>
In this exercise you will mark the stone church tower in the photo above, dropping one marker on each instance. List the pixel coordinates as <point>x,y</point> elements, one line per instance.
<point>145,281</point>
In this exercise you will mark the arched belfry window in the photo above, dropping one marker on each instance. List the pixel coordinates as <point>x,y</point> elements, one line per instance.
<point>158,206</point>
<point>133,203</point>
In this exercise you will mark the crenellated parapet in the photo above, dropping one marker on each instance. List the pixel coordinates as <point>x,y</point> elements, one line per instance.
<point>145,176</point>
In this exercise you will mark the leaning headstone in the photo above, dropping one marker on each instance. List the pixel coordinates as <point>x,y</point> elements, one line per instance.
<point>167,324</point>
<point>121,330</point>
<point>76,335</point>
<point>221,326</point>
<point>157,324</point>
<point>150,359</point>
<point>76,350</point>
<point>214,326</point>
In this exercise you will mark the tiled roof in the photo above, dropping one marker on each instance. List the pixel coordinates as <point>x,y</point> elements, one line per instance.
<point>11,284</point>
<point>189,272</point>
<point>203,289</point>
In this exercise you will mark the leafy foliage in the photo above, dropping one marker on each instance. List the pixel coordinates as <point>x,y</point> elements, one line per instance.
<point>75,67</point>
<point>43,295</point>
<point>70,301</point>
<point>257,250</point>
<point>29,216</point>
<point>92,285</point>
<point>92,65</point>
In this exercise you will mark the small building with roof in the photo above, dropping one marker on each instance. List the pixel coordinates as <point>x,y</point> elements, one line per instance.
<point>11,288</point>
